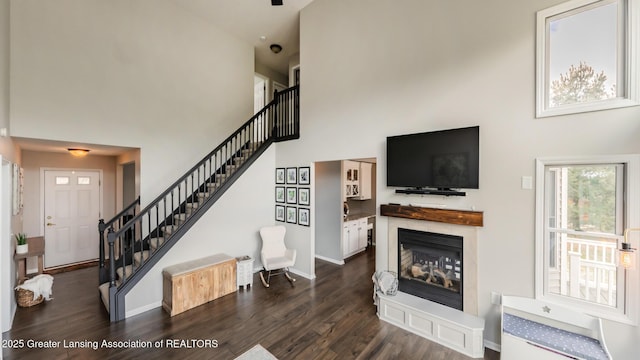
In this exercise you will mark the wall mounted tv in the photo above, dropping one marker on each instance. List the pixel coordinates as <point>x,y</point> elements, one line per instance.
<point>436,162</point>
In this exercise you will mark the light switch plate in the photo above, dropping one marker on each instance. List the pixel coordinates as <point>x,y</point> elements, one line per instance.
<point>496,298</point>
<point>527,182</point>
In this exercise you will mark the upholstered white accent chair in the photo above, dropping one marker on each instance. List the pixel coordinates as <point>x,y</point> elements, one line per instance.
<point>274,254</point>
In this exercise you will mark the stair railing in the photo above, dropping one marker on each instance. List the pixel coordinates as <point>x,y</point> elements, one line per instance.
<point>115,223</point>
<point>165,220</point>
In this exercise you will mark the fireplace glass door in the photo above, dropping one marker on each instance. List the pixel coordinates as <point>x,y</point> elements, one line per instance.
<point>430,266</point>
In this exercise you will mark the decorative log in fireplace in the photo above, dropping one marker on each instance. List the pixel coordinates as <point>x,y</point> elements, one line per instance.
<point>431,275</point>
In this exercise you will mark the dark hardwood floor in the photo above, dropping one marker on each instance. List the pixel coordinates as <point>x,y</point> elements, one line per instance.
<point>331,317</point>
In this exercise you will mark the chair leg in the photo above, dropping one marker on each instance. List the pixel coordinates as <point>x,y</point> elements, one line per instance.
<point>265,283</point>
<point>291,280</point>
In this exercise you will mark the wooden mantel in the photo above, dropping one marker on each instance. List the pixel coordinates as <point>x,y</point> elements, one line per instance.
<point>457,217</point>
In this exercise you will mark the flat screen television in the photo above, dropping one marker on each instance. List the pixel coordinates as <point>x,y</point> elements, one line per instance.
<point>442,160</point>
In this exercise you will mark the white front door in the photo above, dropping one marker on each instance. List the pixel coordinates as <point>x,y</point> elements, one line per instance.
<point>71,213</point>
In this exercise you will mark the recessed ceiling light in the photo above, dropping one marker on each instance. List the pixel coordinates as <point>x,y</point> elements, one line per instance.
<point>263,38</point>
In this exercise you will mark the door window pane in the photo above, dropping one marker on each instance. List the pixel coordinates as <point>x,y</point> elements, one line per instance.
<point>62,180</point>
<point>84,180</point>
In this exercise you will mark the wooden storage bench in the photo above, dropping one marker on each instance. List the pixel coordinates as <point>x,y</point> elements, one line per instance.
<point>196,282</point>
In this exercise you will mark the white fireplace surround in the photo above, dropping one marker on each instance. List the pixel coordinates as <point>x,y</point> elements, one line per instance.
<point>458,330</point>
<point>469,254</point>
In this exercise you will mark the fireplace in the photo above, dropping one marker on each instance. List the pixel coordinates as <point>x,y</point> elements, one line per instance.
<point>430,266</point>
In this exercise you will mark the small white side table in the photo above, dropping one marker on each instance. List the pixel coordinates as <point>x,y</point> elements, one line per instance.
<point>244,271</point>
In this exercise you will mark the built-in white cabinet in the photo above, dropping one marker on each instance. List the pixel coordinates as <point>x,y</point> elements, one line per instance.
<point>357,179</point>
<point>351,176</point>
<point>365,181</point>
<point>354,237</point>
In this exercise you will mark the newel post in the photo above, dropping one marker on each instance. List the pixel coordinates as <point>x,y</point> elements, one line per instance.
<point>111,238</point>
<point>101,228</point>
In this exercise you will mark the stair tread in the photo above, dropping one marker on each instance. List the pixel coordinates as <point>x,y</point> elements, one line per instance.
<point>154,243</point>
<point>142,255</point>
<point>169,228</point>
<point>104,294</point>
<point>128,271</point>
<point>204,194</point>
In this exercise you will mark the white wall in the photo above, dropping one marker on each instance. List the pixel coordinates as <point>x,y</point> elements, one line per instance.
<point>374,68</point>
<point>144,74</point>
<point>7,149</point>
<point>231,227</point>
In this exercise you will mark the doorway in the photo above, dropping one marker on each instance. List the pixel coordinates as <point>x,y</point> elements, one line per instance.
<point>259,92</point>
<point>72,207</point>
<point>278,87</point>
<point>345,222</point>
<point>260,84</point>
<point>128,184</point>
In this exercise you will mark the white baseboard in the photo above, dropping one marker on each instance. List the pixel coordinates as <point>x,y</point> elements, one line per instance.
<point>10,324</point>
<point>333,261</point>
<point>491,345</point>
<point>303,274</point>
<point>142,309</point>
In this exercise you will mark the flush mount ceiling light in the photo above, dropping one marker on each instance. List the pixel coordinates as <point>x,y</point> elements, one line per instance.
<point>78,152</point>
<point>275,48</point>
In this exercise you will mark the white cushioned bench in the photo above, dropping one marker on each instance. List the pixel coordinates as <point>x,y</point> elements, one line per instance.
<point>533,329</point>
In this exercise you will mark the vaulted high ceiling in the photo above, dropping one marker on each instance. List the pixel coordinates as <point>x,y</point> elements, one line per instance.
<point>250,20</point>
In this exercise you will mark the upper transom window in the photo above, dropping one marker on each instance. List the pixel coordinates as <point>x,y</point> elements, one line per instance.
<point>587,56</point>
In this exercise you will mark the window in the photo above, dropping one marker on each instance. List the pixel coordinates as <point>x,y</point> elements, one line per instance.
<point>62,180</point>
<point>587,56</point>
<point>84,180</point>
<point>582,209</point>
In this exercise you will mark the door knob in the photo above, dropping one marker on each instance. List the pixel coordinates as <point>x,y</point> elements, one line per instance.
<point>50,224</point>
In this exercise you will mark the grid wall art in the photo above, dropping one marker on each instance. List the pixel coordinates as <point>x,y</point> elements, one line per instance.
<point>293,196</point>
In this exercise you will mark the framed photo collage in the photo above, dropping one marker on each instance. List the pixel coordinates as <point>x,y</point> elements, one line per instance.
<point>293,198</point>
